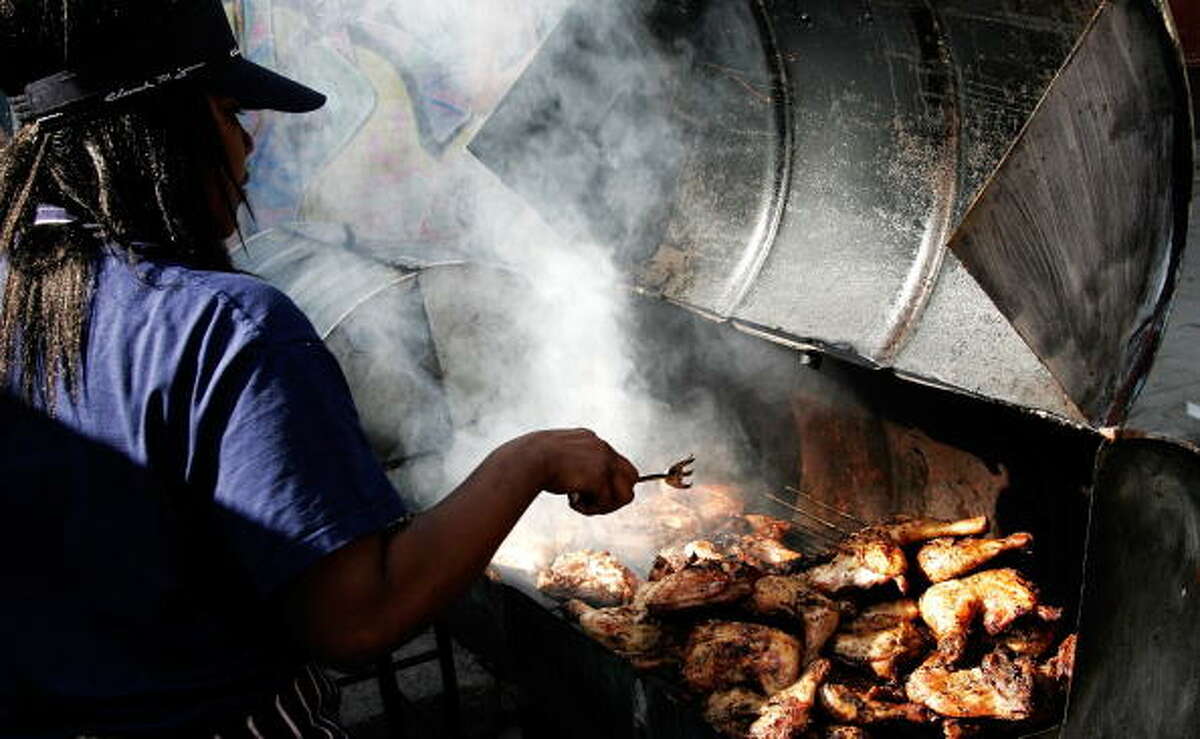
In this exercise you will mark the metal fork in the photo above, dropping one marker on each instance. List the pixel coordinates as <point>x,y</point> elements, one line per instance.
<point>675,474</point>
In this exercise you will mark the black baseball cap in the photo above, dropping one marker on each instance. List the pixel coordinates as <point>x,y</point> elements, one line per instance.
<point>185,40</point>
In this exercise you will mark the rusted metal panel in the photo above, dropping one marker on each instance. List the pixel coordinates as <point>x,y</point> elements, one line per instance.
<point>1078,235</point>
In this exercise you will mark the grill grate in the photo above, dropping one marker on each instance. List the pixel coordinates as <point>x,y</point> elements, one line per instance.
<point>822,524</point>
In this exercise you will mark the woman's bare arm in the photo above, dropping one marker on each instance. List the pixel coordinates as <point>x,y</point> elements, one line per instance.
<point>365,598</point>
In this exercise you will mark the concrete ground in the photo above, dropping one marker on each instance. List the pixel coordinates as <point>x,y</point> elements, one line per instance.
<point>487,707</point>
<point>1170,401</point>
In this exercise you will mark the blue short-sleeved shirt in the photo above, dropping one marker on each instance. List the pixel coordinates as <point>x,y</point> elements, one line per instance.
<point>213,454</point>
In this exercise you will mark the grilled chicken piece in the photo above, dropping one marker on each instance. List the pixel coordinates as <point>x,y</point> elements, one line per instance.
<point>1061,666</point>
<point>792,597</point>
<point>1028,637</point>
<point>767,554</point>
<point>620,628</point>
<point>885,615</point>
<point>884,649</point>
<point>721,654</point>
<point>954,729</point>
<point>904,531</point>
<point>851,706</point>
<point>675,558</point>
<point>702,583</point>
<point>786,713</point>
<point>653,520</point>
<point>1001,596</point>
<point>943,559</point>
<point>596,578</point>
<point>770,527</point>
<point>713,504</point>
<point>845,732</point>
<point>864,560</point>
<point>732,711</point>
<point>1000,687</point>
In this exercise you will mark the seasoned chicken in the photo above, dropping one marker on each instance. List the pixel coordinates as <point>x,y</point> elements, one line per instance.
<point>770,527</point>
<point>702,583</point>
<point>885,615</point>
<point>883,649</point>
<point>864,560</point>
<point>766,554</point>
<point>845,732</point>
<point>674,558</point>
<point>1000,687</point>
<point>849,705</point>
<point>952,728</point>
<point>722,654</point>
<point>596,578</point>
<point>1029,637</point>
<point>652,520</point>
<point>942,559</point>
<point>1061,666</point>
<point>904,531</point>
<point>732,711</point>
<point>713,504</point>
<point>792,597</point>
<point>620,628</point>
<point>1000,596</point>
<point>786,713</point>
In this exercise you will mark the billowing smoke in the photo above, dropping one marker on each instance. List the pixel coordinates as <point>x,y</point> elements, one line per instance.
<point>540,332</point>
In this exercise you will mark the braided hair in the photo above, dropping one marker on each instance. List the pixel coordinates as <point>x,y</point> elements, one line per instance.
<point>133,175</point>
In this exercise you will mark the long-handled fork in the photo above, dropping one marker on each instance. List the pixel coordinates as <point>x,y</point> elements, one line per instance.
<point>675,474</point>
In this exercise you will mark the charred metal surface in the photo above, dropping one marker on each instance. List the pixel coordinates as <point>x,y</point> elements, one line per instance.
<point>1137,672</point>
<point>1078,236</point>
<point>812,159</point>
<point>569,684</point>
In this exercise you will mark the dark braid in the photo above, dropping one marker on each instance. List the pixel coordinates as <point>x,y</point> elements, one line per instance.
<point>137,172</point>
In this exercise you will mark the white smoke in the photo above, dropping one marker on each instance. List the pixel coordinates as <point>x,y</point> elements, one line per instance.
<point>552,346</point>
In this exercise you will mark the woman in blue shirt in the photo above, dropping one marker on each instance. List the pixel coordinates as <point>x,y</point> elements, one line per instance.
<point>193,512</point>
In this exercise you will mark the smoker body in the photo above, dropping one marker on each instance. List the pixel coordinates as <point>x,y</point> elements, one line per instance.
<point>938,240</point>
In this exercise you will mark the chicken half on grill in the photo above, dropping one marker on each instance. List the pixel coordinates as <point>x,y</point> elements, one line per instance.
<point>674,558</point>
<point>1029,636</point>
<point>1001,687</point>
<point>701,583</point>
<point>883,637</point>
<point>874,555</point>
<point>713,503</point>
<point>950,607</point>
<point>946,558</point>
<point>792,597</point>
<point>766,553</point>
<point>597,578</point>
<point>732,711</point>
<point>849,705</point>
<point>787,712</point>
<point>723,654</point>
<point>866,559</point>
<point>904,530</point>
<point>1061,666</point>
<point>773,528</point>
<point>620,628</point>
<point>845,732</point>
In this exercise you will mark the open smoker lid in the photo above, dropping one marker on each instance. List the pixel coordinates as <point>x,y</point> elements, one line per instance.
<point>989,195</point>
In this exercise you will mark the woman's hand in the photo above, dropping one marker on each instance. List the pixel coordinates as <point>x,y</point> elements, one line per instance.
<point>582,466</point>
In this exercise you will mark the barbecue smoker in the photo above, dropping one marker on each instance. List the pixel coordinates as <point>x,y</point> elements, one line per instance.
<point>938,240</point>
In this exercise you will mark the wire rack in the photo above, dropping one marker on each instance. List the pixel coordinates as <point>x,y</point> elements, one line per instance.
<point>824,526</point>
